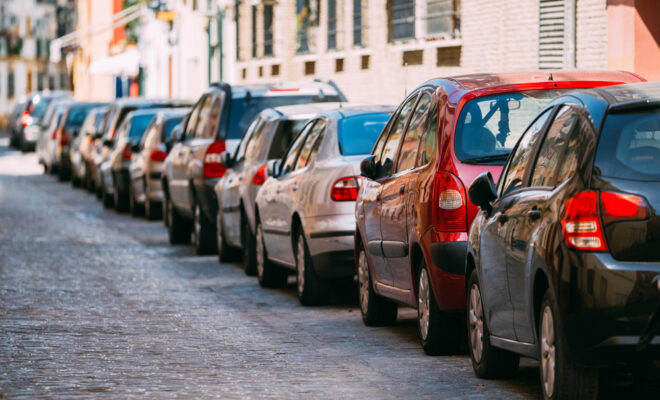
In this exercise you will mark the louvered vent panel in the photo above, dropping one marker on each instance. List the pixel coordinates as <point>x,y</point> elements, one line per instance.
<point>552,36</point>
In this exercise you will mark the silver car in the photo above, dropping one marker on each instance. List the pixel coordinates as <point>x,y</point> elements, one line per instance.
<point>81,148</point>
<point>306,208</point>
<point>46,146</point>
<point>145,192</point>
<point>267,138</point>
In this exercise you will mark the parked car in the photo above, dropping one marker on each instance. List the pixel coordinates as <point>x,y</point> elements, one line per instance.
<point>73,118</point>
<point>216,124</point>
<point>306,208</point>
<point>14,123</point>
<point>412,210</point>
<point>47,139</point>
<point>571,234</point>
<point>267,138</point>
<point>113,119</point>
<point>145,192</point>
<point>115,170</point>
<point>35,108</point>
<point>81,148</point>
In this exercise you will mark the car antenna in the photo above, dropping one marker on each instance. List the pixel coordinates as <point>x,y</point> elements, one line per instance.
<point>551,78</point>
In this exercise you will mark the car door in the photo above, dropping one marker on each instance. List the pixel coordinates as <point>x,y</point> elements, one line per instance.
<point>407,178</point>
<point>528,215</point>
<point>392,197</point>
<point>180,153</point>
<point>496,235</point>
<point>203,136</point>
<point>270,209</point>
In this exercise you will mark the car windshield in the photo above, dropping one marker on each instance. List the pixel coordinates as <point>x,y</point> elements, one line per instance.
<point>138,126</point>
<point>358,134</point>
<point>629,146</point>
<point>489,127</point>
<point>169,127</point>
<point>243,111</point>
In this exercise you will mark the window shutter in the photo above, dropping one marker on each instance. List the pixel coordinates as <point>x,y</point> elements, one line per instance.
<point>552,34</point>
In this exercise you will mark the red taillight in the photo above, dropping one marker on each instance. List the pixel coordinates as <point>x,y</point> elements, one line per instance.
<point>54,134</point>
<point>345,189</point>
<point>582,226</point>
<point>64,138</point>
<point>157,155</point>
<point>213,168</point>
<point>90,140</point>
<point>260,176</point>
<point>26,119</point>
<point>450,206</point>
<point>126,153</point>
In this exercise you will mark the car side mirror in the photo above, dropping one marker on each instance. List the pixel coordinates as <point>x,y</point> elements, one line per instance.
<point>368,167</point>
<point>135,148</point>
<point>226,159</point>
<point>482,191</point>
<point>107,143</point>
<point>273,168</point>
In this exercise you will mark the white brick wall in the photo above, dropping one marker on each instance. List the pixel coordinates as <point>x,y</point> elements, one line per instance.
<point>591,49</point>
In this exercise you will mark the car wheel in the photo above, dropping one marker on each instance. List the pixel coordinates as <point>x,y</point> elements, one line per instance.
<point>309,285</point>
<point>108,200</point>
<point>224,252</point>
<point>376,310</point>
<point>268,274</point>
<point>439,331</point>
<point>121,200</point>
<point>203,232</point>
<point>152,210</point>
<point>487,361</point>
<point>165,206</point>
<point>561,378</point>
<point>178,229</point>
<point>133,206</point>
<point>249,249</point>
<point>63,174</point>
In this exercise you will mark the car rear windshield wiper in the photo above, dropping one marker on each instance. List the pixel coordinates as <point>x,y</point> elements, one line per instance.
<point>486,159</point>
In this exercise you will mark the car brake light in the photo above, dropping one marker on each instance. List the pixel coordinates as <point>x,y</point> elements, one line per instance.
<point>622,206</point>
<point>260,176</point>
<point>213,168</point>
<point>157,155</point>
<point>64,138</point>
<point>26,119</point>
<point>126,153</point>
<point>90,140</point>
<point>53,136</point>
<point>450,213</point>
<point>345,189</point>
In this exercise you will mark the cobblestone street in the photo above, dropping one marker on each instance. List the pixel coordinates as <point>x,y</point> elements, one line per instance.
<point>95,304</point>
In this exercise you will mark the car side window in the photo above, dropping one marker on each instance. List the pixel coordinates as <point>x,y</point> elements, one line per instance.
<point>192,120</point>
<point>554,144</point>
<point>292,154</point>
<point>427,146</point>
<point>214,117</point>
<point>242,146</point>
<point>410,145</point>
<point>204,119</point>
<point>311,144</point>
<point>392,143</point>
<point>523,152</point>
<point>252,148</point>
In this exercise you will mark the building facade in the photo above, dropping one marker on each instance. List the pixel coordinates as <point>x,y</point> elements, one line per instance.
<point>395,45</point>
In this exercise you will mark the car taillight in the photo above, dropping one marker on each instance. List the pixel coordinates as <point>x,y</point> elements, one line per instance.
<point>54,134</point>
<point>126,153</point>
<point>260,176</point>
<point>64,138</point>
<point>90,140</point>
<point>157,155</point>
<point>26,119</point>
<point>450,209</point>
<point>345,189</point>
<point>582,226</point>
<point>213,168</point>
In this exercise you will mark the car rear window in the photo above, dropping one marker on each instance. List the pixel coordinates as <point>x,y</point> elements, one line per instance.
<point>358,134</point>
<point>629,146</point>
<point>38,106</point>
<point>77,115</point>
<point>286,132</point>
<point>489,127</point>
<point>169,127</point>
<point>243,111</point>
<point>138,126</point>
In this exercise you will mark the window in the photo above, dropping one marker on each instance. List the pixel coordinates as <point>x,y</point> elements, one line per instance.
<point>194,117</point>
<point>339,65</point>
<point>357,22</point>
<point>364,62</point>
<point>275,70</point>
<point>214,118</point>
<point>51,82</point>
<point>552,34</point>
<point>252,149</point>
<point>401,19</point>
<point>408,152</point>
<point>332,24</point>
<point>412,57</point>
<point>254,31</point>
<point>242,146</point>
<point>357,134</point>
<point>203,119</point>
<point>427,147</point>
<point>237,15</point>
<point>392,144</point>
<point>268,30</point>
<point>554,144</point>
<point>292,154</point>
<point>10,84</point>
<point>518,164</point>
<point>310,67</point>
<point>410,19</point>
<point>40,80</point>
<point>442,18</point>
<point>64,81</point>
<point>138,125</point>
<point>307,17</point>
<point>311,144</point>
<point>286,131</point>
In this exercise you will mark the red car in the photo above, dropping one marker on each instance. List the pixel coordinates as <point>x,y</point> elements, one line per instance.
<point>412,210</point>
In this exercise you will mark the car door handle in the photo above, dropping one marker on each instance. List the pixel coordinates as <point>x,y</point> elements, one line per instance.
<point>534,214</point>
<point>295,187</point>
<point>402,189</point>
<point>502,218</point>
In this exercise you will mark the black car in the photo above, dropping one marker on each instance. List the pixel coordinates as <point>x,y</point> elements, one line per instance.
<point>564,256</point>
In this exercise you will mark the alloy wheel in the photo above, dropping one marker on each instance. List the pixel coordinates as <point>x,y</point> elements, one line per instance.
<point>423,305</point>
<point>548,360</point>
<point>363,280</point>
<point>260,252</point>
<point>300,265</point>
<point>476,323</point>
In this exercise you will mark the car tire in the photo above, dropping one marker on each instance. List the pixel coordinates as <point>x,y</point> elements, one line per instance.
<point>249,249</point>
<point>561,378</point>
<point>309,286</point>
<point>269,275</point>
<point>121,200</point>
<point>224,252</point>
<point>487,361</point>
<point>108,200</point>
<point>164,212</point>
<point>439,331</point>
<point>152,210</point>
<point>376,310</point>
<point>203,232</point>
<point>133,206</point>
<point>178,229</point>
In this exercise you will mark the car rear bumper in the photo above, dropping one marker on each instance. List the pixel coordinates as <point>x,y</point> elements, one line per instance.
<point>608,306</point>
<point>330,240</point>
<point>446,254</point>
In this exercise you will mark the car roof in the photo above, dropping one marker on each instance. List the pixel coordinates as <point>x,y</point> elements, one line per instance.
<point>310,109</point>
<point>141,112</point>
<point>139,101</point>
<point>353,109</point>
<point>627,96</point>
<point>289,88</point>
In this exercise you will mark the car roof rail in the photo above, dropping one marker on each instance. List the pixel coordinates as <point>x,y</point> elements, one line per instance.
<point>334,86</point>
